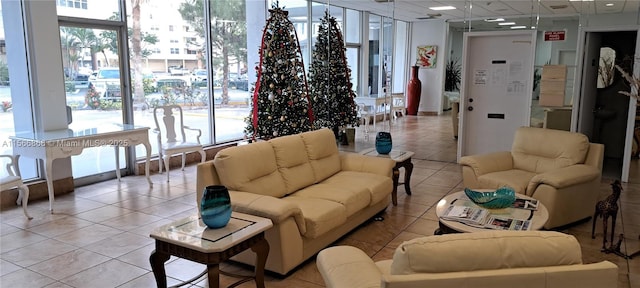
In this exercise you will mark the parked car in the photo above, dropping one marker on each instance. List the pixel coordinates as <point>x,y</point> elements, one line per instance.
<point>82,79</point>
<point>240,82</point>
<point>107,83</point>
<point>171,83</point>
<point>199,75</point>
<point>177,70</point>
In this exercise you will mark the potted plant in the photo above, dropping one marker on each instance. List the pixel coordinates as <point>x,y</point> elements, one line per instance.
<point>453,75</point>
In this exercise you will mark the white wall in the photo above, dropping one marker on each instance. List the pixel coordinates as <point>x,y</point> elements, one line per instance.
<point>430,32</point>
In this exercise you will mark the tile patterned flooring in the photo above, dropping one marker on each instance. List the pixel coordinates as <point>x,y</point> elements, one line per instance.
<point>99,234</point>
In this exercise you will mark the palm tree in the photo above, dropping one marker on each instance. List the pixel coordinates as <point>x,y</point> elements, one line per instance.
<point>69,44</point>
<point>136,51</point>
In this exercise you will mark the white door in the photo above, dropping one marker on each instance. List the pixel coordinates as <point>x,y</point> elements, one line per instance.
<point>496,89</point>
<point>588,87</point>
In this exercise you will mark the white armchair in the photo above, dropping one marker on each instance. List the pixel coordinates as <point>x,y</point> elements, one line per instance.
<point>13,180</point>
<point>398,106</point>
<point>171,144</point>
<point>364,113</point>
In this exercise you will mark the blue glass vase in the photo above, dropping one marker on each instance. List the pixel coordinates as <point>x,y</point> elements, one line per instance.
<point>383,142</point>
<point>215,207</point>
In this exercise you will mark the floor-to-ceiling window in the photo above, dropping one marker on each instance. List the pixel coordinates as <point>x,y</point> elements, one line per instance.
<point>14,97</point>
<point>373,82</point>
<point>353,42</point>
<point>90,34</point>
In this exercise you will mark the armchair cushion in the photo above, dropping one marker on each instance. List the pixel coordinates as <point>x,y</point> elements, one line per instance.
<point>516,179</point>
<point>541,150</point>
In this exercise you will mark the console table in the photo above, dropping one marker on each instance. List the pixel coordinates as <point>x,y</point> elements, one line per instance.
<point>55,144</point>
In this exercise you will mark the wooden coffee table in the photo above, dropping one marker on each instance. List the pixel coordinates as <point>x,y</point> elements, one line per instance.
<point>189,238</point>
<point>538,217</point>
<point>403,160</point>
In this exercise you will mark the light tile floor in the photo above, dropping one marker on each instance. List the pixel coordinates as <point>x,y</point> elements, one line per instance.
<point>99,234</point>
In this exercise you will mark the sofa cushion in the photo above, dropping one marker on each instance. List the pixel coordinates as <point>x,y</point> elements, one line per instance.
<point>353,197</point>
<point>320,215</point>
<point>540,150</point>
<point>377,186</point>
<point>322,152</point>
<point>292,162</point>
<point>516,179</point>
<point>485,251</point>
<point>261,177</point>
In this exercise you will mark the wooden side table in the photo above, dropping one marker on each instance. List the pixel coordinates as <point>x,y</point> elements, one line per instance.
<point>403,160</point>
<point>189,238</point>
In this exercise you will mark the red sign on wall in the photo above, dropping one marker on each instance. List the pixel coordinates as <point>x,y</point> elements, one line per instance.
<point>554,35</point>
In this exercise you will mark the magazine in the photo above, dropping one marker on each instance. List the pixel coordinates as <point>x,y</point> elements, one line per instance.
<point>504,223</point>
<point>529,204</point>
<point>481,218</point>
<point>468,215</point>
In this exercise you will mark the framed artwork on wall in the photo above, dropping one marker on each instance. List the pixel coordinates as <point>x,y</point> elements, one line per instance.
<point>427,56</point>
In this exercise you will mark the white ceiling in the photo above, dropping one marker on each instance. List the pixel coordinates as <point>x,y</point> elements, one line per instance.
<point>418,10</point>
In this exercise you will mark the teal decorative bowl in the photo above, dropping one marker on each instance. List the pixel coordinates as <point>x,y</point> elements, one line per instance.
<point>501,198</point>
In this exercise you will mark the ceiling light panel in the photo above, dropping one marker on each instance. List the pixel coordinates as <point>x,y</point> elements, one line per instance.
<point>442,8</point>
<point>506,23</point>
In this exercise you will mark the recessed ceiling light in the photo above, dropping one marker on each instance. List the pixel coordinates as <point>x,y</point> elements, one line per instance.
<point>507,23</point>
<point>440,8</point>
<point>518,27</point>
<point>494,19</point>
<point>609,4</point>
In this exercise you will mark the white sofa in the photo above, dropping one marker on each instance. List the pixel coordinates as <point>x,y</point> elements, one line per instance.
<point>470,260</point>
<point>313,193</point>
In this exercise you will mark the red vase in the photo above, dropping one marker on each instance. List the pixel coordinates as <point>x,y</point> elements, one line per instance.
<point>414,88</point>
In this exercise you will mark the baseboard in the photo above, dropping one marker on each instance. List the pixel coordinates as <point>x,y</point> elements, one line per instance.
<point>427,113</point>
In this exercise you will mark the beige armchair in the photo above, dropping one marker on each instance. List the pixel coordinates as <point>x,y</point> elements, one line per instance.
<point>559,168</point>
<point>468,260</point>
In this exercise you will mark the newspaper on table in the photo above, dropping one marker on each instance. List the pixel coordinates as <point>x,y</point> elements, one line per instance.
<point>481,218</point>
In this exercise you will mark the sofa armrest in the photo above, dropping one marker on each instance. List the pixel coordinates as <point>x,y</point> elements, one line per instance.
<point>487,163</point>
<point>362,163</point>
<point>565,177</point>
<point>206,175</point>
<point>347,267</point>
<point>265,206</point>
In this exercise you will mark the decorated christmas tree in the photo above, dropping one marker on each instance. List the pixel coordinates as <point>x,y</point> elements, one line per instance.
<point>329,79</point>
<point>280,103</point>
